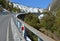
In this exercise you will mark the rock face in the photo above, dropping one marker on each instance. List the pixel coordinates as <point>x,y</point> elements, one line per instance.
<point>54,5</point>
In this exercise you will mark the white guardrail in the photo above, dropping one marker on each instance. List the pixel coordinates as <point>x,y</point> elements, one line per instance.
<point>28,32</point>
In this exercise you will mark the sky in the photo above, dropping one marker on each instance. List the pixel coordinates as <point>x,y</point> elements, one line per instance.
<point>34,3</point>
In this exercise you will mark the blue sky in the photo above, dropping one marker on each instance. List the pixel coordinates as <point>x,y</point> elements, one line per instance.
<point>34,3</point>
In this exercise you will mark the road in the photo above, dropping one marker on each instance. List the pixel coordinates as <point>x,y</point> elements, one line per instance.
<point>4,24</point>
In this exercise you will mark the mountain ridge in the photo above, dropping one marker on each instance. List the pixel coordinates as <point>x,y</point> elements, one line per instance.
<point>28,9</point>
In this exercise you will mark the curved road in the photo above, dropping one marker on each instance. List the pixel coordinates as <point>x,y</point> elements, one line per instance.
<point>4,24</point>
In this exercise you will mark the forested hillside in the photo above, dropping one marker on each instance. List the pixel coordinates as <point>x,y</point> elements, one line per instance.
<point>49,24</point>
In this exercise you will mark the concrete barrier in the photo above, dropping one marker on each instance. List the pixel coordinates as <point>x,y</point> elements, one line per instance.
<point>36,32</point>
<point>16,34</point>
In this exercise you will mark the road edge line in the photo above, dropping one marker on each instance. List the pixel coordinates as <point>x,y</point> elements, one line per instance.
<point>7,39</point>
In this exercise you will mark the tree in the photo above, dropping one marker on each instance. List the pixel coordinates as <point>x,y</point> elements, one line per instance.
<point>4,3</point>
<point>32,20</point>
<point>56,27</point>
<point>10,6</point>
<point>47,21</point>
<point>15,9</point>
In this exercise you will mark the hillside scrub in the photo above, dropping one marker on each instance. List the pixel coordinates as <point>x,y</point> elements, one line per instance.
<point>49,24</point>
<point>32,20</point>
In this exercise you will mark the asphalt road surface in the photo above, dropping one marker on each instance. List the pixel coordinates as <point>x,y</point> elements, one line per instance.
<point>4,24</point>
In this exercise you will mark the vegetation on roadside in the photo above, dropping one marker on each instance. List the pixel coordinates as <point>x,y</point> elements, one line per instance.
<point>48,23</point>
<point>9,6</point>
<point>32,20</point>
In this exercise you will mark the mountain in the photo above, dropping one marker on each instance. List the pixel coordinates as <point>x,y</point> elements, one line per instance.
<point>28,9</point>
